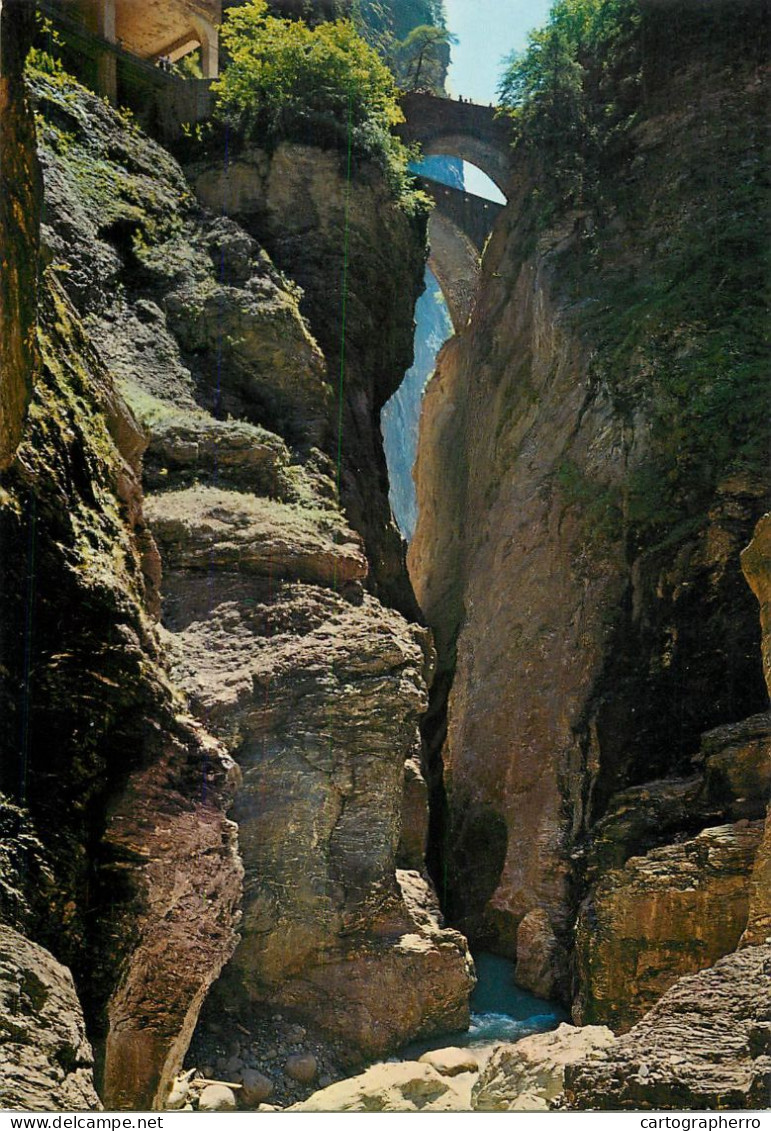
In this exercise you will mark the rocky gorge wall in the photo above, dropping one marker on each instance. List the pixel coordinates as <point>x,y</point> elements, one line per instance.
<point>705,1043</point>
<point>102,820</point>
<point>582,576</point>
<point>184,408</point>
<point>342,243</point>
<point>19,219</point>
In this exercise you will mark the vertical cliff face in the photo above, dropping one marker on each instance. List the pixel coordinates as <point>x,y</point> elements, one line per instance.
<point>115,800</point>
<point>581,520</point>
<point>313,686</point>
<point>46,1061</point>
<point>99,767</point>
<point>342,243</point>
<point>19,223</point>
<point>702,1045</point>
<point>756,564</point>
<point>82,663</point>
<point>499,425</point>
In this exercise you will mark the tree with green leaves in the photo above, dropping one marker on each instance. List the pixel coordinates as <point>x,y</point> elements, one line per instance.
<point>564,93</point>
<point>321,84</point>
<point>420,59</point>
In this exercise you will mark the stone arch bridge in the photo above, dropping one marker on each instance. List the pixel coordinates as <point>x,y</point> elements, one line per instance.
<point>461,221</point>
<point>459,129</point>
<point>457,233</point>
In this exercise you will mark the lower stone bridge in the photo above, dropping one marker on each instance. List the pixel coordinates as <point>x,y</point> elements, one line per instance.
<point>473,215</point>
<point>457,232</point>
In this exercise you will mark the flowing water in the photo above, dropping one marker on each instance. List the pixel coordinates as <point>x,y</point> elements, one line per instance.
<point>500,1011</point>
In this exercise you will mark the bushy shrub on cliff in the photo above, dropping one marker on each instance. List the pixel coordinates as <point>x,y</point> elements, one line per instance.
<point>671,270</point>
<point>323,85</point>
<point>574,91</point>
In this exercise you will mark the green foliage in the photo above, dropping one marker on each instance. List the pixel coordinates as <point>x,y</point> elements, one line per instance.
<point>189,66</point>
<point>321,84</point>
<point>197,131</point>
<point>599,503</point>
<point>420,60</point>
<point>45,54</point>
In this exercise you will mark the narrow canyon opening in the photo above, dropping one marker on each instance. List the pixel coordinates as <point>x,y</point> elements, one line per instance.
<point>498,1006</point>
<point>400,417</point>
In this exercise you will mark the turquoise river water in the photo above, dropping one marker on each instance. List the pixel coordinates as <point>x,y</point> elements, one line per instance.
<point>500,1011</point>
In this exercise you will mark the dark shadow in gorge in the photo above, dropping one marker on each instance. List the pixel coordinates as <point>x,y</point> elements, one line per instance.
<point>464,859</point>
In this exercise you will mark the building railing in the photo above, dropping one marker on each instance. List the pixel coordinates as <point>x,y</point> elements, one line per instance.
<point>163,102</point>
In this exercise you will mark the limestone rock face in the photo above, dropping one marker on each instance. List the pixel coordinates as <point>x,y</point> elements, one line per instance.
<point>296,203</point>
<point>412,846</point>
<point>704,1046</point>
<point>451,1061</point>
<point>535,1067</point>
<point>20,196</point>
<point>649,918</point>
<point>684,905</point>
<point>404,1086</point>
<point>591,623</point>
<point>208,528</point>
<point>324,697</point>
<point>756,563</point>
<point>758,928</point>
<point>189,885</point>
<point>737,768</point>
<point>540,957</point>
<point>314,686</point>
<point>120,745</point>
<point>217,1098</point>
<point>46,1063</point>
<point>644,816</point>
<point>115,803</point>
<point>489,528</point>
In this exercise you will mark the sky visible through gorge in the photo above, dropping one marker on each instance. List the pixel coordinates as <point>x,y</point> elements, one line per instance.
<point>487,31</point>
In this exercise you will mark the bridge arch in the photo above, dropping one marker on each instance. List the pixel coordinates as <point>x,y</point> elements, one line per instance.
<point>459,129</point>
<point>457,232</point>
<point>454,261</point>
